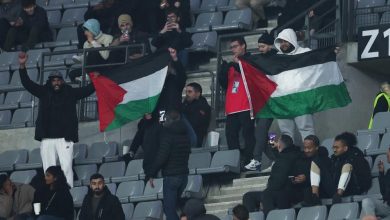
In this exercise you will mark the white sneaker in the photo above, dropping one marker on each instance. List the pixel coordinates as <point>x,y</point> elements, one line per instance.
<point>267,170</point>
<point>77,59</point>
<point>253,165</point>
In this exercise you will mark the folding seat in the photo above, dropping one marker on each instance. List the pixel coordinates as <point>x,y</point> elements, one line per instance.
<point>8,159</point>
<point>198,160</point>
<point>34,59</point>
<point>314,213</point>
<point>150,193</point>
<point>212,5</point>
<point>5,117</point>
<point>374,192</point>
<point>24,176</point>
<point>32,73</point>
<point>73,16</point>
<point>231,6</point>
<point>34,161</point>
<point>61,59</point>
<point>285,214</point>
<point>100,152</point>
<point>84,172</point>
<point>66,36</point>
<point>54,18</point>
<point>54,5</point>
<point>195,5</point>
<point>128,209</point>
<point>7,59</point>
<point>206,41</point>
<point>114,169</point>
<point>236,19</point>
<point>126,190</point>
<point>22,118</point>
<point>256,216</point>
<point>344,211</point>
<point>134,171</point>
<point>148,210</point>
<point>205,21</point>
<point>4,78</point>
<point>112,188</point>
<point>223,162</point>
<point>78,194</point>
<point>79,151</point>
<point>194,188</point>
<point>368,142</point>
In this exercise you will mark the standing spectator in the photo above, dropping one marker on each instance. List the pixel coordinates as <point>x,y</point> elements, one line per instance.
<point>99,203</point>
<point>380,207</point>
<point>9,14</point>
<point>265,45</point>
<point>350,172</point>
<point>183,6</point>
<point>381,102</point>
<point>291,10</point>
<point>259,18</point>
<point>194,209</point>
<point>286,43</point>
<point>240,212</point>
<point>174,36</point>
<point>30,28</point>
<point>57,124</point>
<point>15,199</point>
<point>197,111</point>
<point>237,106</point>
<point>55,199</point>
<point>172,158</point>
<point>321,16</point>
<point>279,183</point>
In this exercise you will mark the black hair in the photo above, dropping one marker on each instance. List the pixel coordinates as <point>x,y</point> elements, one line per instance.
<point>173,10</point>
<point>241,212</point>
<point>287,140</point>
<point>28,3</point>
<point>197,87</point>
<point>96,176</point>
<point>347,138</point>
<point>3,179</point>
<point>313,138</point>
<point>240,40</point>
<point>60,182</point>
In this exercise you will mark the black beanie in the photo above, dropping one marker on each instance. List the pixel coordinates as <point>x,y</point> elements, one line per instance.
<point>266,39</point>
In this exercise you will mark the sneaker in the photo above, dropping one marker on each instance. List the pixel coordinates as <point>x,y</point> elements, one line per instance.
<point>253,165</point>
<point>77,59</point>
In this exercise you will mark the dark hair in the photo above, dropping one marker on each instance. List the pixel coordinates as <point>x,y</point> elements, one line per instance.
<point>240,40</point>
<point>347,138</point>
<point>197,87</point>
<point>287,140</point>
<point>28,3</point>
<point>96,176</point>
<point>313,138</point>
<point>60,183</point>
<point>241,212</point>
<point>3,179</point>
<point>173,10</point>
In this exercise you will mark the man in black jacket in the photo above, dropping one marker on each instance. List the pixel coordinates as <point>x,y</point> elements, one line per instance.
<point>57,123</point>
<point>99,203</point>
<point>197,111</point>
<point>274,196</point>
<point>172,159</point>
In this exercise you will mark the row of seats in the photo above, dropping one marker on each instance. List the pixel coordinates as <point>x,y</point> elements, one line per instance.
<point>199,6</point>
<point>65,4</point>
<point>70,17</point>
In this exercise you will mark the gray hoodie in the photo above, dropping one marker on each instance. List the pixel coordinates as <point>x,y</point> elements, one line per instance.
<point>290,36</point>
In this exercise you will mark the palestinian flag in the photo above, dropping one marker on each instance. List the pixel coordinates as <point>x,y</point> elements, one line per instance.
<point>128,92</point>
<point>305,83</point>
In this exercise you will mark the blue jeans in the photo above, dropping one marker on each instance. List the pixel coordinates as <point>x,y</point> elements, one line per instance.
<point>173,188</point>
<point>191,132</point>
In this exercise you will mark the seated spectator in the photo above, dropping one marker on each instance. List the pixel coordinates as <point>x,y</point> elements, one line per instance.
<point>127,35</point>
<point>350,173</point>
<point>172,35</point>
<point>99,203</point>
<point>55,199</point>
<point>197,111</point>
<point>240,212</point>
<point>259,18</point>
<point>379,207</point>
<point>279,183</point>
<point>194,209</point>
<point>9,14</point>
<point>15,199</point>
<point>381,102</point>
<point>183,6</point>
<point>30,28</point>
<point>265,45</point>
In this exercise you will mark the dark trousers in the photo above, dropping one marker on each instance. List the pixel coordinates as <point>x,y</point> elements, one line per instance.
<point>236,122</point>
<point>151,145</point>
<point>173,188</point>
<point>261,135</point>
<point>4,27</point>
<point>28,38</point>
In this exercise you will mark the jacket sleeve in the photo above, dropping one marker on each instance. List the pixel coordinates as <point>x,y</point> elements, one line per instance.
<point>83,209</point>
<point>223,75</point>
<point>29,85</point>
<point>6,205</point>
<point>181,76</point>
<point>381,105</point>
<point>185,39</point>
<point>80,93</point>
<point>163,153</point>
<point>158,41</point>
<point>117,210</point>
<point>68,206</point>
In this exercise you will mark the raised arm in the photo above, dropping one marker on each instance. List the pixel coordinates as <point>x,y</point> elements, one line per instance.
<point>28,84</point>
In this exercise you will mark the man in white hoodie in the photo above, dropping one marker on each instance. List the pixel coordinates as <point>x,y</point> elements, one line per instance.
<point>286,43</point>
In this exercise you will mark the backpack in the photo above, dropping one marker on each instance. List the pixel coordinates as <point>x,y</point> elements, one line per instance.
<point>362,170</point>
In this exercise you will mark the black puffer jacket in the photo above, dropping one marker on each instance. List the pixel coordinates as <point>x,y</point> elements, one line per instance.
<point>58,203</point>
<point>172,156</point>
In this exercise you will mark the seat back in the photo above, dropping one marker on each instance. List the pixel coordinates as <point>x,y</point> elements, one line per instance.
<point>132,188</point>
<point>17,97</point>
<point>228,157</point>
<point>114,169</point>
<point>151,209</point>
<point>328,144</point>
<point>199,160</point>
<point>368,141</point>
<point>35,156</point>
<point>128,209</point>
<point>314,213</point>
<point>84,172</point>
<point>385,142</point>
<point>235,17</point>
<point>14,157</point>
<point>78,194</point>
<point>24,176</point>
<point>79,151</point>
<point>285,214</point>
<point>134,168</point>
<point>344,211</point>
<point>5,117</point>
<point>22,115</point>
<point>101,149</point>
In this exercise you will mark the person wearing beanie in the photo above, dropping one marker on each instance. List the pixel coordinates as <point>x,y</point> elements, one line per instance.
<point>56,126</point>
<point>265,44</point>
<point>96,38</point>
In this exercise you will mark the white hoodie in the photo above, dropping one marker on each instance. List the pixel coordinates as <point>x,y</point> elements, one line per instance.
<point>290,36</point>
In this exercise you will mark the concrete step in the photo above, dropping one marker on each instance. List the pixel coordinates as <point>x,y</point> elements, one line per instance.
<point>224,198</point>
<point>219,213</point>
<point>250,181</point>
<point>242,189</point>
<point>222,205</point>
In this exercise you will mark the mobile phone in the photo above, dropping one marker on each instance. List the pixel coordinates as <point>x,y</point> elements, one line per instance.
<point>271,138</point>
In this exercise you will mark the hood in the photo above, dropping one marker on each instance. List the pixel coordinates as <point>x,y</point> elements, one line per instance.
<point>194,208</point>
<point>287,35</point>
<point>93,26</point>
<point>177,127</point>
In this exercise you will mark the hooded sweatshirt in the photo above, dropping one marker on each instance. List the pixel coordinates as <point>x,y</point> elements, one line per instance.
<point>290,36</point>
<point>100,39</point>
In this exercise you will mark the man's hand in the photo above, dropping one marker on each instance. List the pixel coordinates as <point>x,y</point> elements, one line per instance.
<point>311,14</point>
<point>177,4</point>
<point>151,182</point>
<point>148,116</point>
<point>124,38</point>
<point>176,26</point>
<point>166,28</point>
<point>299,179</point>
<point>22,60</point>
<point>89,36</point>
<point>18,22</point>
<point>381,166</point>
<point>337,50</point>
<point>135,56</point>
<point>173,53</point>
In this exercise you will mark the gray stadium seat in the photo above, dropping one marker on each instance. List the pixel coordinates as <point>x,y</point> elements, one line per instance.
<point>32,73</point>
<point>84,172</point>
<point>385,142</point>
<point>7,59</point>
<point>34,59</point>
<point>344,211</point>
<point>5,117</point>
<point>115,169</point>
<point>194,188</point>
<point>312,213</point>
<point>8,159</point>
<point>111,187</point>
<point>328,144</point>
<point>380,123</point>
<point>370,3</point>
<point>22,117</point>
<point>128,209</point>
<point>148,210</point>
<point>374,192</point>
<point>74,16</point>
<point>24,176</point>
<point>54,5</point>
<point>385,19</point>
<point>231,6</point>
<point>205,21</point>
<point>126,190</point>
<point>66,36</point>
<point>78,194</point>
<point>99,152</point>
<point>212,5</point>
<point>149,192</point>
<point>61,59</point>
<point>368,142</point>
<point>256,216</point>
<point>369,160</point>
<point>79,151</point>
<point>223,162</point>
<point>199,160</point>
<point>54,18</point>
<point>195,5</point>
<point>212,136</point>
<point>285,214</point>
<point>236,19</point>
<point>34,161</point>
<point>17,97</point>
<point>206,41</point>
<point>381,157</point>
<point>134,171</point>
<point>4,78</point>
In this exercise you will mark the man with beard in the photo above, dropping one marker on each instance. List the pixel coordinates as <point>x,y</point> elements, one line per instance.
<point>56,126</point>
<point>99,203</point>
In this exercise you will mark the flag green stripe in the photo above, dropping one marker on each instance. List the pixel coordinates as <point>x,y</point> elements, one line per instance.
<point>308,102</point>
<point>133,110</point>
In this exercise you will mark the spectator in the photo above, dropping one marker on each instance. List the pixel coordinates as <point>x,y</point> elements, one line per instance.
<point>30,28</point>
<point>274,196</point>
<point>128,35</point>
<point>240,212</point>
<point>237,106</point>
<point>57,124</point>
<point>290,11</point>
<point>350,172</point>
<point>194,209</point>
<point>321,16</point>
<point>172,35</point>
<point>9,14</point>
<point>172,158</point>
<point>99,203</point>
<point>376,207</point>
<point>265,45</point>
<point>286,43</point>
<point>381,102</point>
<point>15,199</point>
<point>183,6</point>
<point>55,199</point>
<point>259,18</point>
<point>197,111</point>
